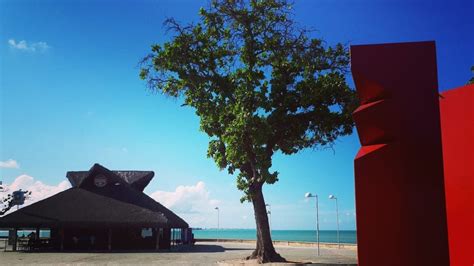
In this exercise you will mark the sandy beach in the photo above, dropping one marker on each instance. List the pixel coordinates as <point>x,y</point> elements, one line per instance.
<point>203,253</point>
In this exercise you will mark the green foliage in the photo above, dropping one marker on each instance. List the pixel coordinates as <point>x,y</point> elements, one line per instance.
<point>258,83</point>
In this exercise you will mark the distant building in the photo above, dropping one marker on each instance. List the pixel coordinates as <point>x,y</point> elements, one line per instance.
<point>104,210</point>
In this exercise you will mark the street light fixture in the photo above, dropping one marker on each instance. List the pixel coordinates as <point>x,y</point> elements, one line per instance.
<point>337,217</point>
<point>269,212</point>
<point>217,208</point>
<point>309,195</point>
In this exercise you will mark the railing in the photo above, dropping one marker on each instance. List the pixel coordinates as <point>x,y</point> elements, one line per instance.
<point>26,244</point>
<point>3,244</point>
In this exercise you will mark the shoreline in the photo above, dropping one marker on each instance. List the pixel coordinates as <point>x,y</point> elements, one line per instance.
<point>282,243</point>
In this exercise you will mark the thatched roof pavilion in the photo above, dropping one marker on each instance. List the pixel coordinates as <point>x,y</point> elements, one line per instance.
<point>107,206</point>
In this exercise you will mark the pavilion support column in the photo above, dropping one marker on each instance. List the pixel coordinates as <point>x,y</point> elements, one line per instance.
<point>37,233</point>
<point>157,238</point>
<point>61,237</point>
<point>172,238</point>
<point>15,238</point>
<point>109,240</point>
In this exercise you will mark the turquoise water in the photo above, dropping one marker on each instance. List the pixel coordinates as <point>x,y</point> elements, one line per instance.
<point>21,233</point>
<point>329,236</point>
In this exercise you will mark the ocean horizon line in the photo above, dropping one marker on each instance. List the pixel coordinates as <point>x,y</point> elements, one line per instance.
<point>230,228</point>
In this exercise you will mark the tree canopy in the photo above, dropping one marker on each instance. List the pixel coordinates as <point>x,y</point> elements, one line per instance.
<point>258,83</point>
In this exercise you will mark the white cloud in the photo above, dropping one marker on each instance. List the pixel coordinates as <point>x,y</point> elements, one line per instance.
<point>39,190</point>
<point>192,203</point>
<point>25,46</point>
<point>195,205</point>
<point>9,164</point>
<point>186,199</point>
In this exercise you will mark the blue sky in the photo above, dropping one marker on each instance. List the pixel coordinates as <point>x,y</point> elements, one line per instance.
<point>70,96</point>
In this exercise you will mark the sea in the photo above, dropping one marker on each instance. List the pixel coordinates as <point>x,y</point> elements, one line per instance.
<point>24,233</point>
<point>327,236</point>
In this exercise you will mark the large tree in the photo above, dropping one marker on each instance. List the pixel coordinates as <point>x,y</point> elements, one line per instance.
<point>259,85</point>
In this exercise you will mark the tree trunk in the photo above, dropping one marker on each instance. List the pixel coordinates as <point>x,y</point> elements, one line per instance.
<point>264,252</point>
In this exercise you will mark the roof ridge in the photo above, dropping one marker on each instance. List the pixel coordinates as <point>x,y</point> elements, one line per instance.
<point>138,179</point>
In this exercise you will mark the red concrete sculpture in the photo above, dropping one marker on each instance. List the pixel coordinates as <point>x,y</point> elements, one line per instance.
<point>457,124</point>
<point>399,184</point>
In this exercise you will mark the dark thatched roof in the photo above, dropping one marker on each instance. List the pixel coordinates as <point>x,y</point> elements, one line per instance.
<point>79,207</point>
<point>116,204</point>
<point>137,179</point>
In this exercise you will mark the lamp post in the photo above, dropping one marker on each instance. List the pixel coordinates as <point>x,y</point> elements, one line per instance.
<point>337,217</point>
<point>269,212</point>
<point>217,208</point>
<point>309,195</point>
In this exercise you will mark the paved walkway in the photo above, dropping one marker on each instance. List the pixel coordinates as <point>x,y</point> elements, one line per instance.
<point>200,254</point>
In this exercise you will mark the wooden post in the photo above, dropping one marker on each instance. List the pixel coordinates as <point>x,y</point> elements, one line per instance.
<point>109,239</point>
<point>157,238</point>
<point>61,236</point>
<point>15,238</point>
